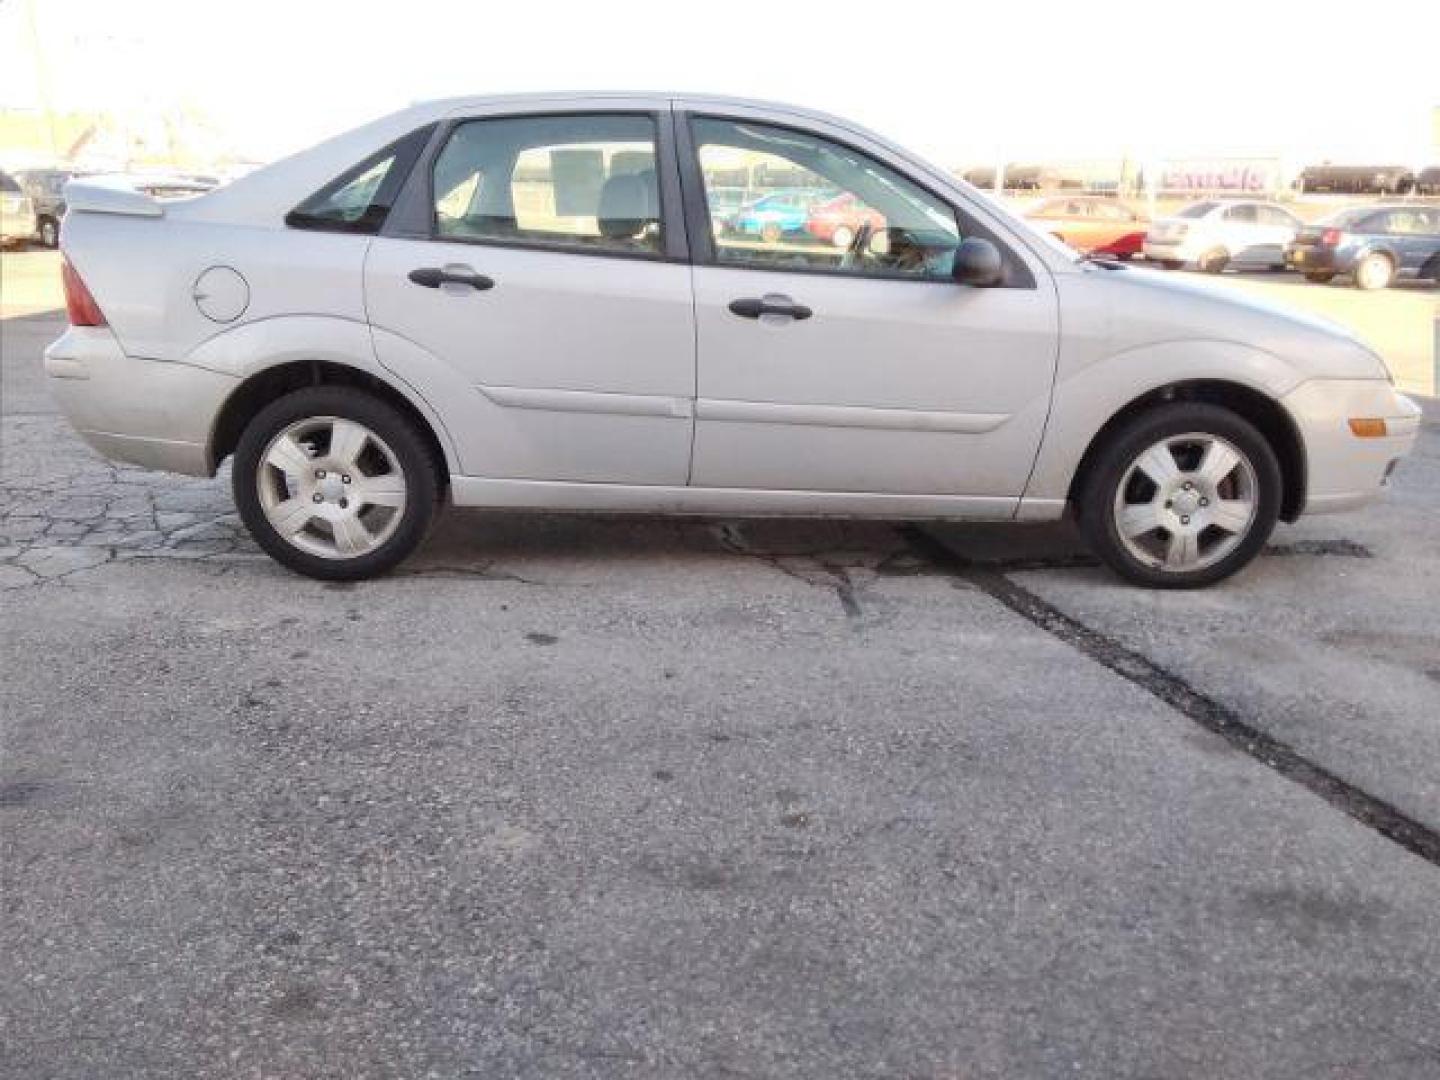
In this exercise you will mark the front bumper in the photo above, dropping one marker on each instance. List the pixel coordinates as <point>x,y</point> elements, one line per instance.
<point>154,413</point>
<point>1343,470</point>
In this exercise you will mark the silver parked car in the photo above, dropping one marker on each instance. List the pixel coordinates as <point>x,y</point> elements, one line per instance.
<point>1216,234</point>
<point>525,302</point>
<point>17,212</point>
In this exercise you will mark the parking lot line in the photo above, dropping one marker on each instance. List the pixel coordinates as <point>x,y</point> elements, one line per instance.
<point>1198,706</point>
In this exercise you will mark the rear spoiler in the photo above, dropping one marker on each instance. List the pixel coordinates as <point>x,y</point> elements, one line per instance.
<point>109,195</point>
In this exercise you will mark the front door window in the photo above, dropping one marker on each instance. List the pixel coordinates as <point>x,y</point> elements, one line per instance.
<point>806,203</point>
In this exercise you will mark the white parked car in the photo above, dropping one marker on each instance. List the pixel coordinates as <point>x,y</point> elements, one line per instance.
<point>1215,234</point>
<point>523,302</point>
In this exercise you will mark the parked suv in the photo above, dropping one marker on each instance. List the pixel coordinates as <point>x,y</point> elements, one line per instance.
<point>17,213</point>
<point>1216,234</point>
<point>524,302</point>
<point>46,188</point>
<point>1374,244</point>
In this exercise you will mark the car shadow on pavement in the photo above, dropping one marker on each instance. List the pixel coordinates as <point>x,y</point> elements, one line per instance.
<point>471,538</point>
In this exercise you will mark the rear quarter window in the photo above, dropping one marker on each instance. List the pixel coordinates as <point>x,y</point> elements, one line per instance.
<point>359,199</point>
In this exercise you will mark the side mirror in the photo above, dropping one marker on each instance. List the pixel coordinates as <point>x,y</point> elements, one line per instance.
<point>978,263</point>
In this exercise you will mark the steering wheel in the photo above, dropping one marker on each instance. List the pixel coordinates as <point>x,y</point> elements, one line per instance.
<point>857,245</point>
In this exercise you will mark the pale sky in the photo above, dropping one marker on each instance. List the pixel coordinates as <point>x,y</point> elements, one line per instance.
<point>961,83</point>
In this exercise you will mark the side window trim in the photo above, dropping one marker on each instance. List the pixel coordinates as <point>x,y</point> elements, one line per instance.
<point>697,216</point>
<point>412,217</point>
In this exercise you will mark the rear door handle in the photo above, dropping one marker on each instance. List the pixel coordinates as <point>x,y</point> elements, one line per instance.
<point>753,308</point>
<point>432,277</point>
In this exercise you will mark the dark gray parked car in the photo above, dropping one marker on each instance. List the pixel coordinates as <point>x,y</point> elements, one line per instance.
<point>46,189</point>
<point>1375,244</point>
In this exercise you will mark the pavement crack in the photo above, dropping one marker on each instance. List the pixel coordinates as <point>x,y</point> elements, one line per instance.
<point>816,568</point>
<point>1369,810</point>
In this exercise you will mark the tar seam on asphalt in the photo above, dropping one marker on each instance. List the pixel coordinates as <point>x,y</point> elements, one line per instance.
<point>1204,710</point>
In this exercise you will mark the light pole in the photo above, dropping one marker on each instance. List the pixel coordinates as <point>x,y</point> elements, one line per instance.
<point>42,80</point>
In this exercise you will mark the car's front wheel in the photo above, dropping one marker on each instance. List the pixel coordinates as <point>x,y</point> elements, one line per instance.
<point>842,237</point>
<point>1181,496</point>
<point>335,483</point>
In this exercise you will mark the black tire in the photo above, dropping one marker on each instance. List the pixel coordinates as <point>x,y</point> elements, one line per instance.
<point>49,231</point>
<point>1214,261</point>
<point>421,473</point>
<point>1374,271</point>
<point>1319,277</point>
<point>1096,498</point>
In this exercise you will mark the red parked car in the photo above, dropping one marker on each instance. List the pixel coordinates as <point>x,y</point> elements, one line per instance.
<point>838,220</point>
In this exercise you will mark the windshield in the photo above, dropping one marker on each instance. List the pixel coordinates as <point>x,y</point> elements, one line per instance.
<point>1196,210</point>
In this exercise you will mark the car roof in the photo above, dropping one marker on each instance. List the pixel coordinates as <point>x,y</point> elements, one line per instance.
<point>450,105</point>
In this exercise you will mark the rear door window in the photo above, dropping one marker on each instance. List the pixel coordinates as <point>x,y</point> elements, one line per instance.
<point>584,182</point>
<point>1273,215</point>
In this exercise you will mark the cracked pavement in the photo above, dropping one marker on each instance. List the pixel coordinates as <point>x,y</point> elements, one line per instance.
<point>593,798</point>
<point>63,509</point>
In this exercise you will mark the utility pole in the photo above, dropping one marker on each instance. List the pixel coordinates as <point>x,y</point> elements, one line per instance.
<point>42,80</point>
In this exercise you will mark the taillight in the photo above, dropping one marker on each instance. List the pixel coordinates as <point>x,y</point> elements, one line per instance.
<point>79,304</point>
<point>1331,237</point>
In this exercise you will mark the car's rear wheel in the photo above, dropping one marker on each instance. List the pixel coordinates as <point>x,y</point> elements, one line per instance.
<point>1320,277</point>
<point>1182,496</point>
<point>1214,261</point>
<point>842,237</point>
<point>334,483</point>
<point>1374,271</point>
<point>770,232</point>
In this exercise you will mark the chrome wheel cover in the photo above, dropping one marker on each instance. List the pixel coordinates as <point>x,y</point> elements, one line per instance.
<point>1186,502</point>
<point>331,487</point>
<point>1374,272</point>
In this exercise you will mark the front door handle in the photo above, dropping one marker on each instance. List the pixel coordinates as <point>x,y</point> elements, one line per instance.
<point>432,277</point>
<point>753,308</point>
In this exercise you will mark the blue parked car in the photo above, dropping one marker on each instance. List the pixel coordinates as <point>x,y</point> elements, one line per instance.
<point>774,216</point>
<point>1374,244</point>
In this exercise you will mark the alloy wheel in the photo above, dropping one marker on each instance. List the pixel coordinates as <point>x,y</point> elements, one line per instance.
<point>331,487</point>
<point>1186,502</point>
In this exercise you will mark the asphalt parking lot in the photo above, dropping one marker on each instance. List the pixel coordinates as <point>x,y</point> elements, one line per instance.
<point>632,797</point>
